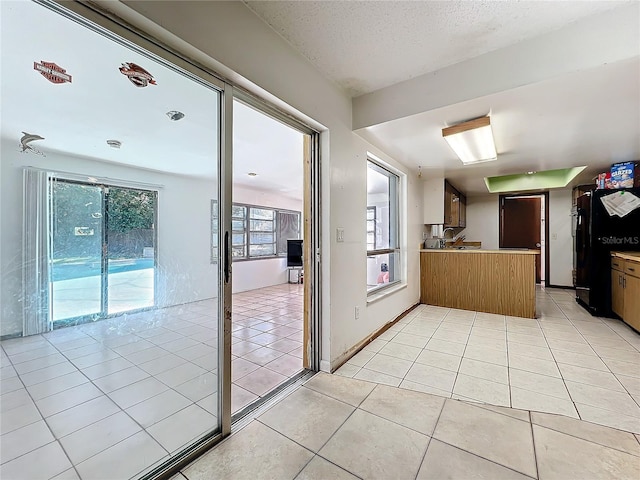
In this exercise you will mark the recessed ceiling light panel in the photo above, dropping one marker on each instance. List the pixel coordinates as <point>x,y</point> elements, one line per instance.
<point>472,141</point>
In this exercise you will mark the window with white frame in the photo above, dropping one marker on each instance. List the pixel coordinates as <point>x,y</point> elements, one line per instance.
<point>383,227</point>
<point>262,232</point>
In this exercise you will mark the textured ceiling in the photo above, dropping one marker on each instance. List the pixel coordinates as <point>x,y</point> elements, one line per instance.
<point>367,45</point>
<point>77,118</point>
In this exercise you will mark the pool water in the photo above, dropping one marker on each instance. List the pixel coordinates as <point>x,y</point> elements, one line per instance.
<point>69,271</point>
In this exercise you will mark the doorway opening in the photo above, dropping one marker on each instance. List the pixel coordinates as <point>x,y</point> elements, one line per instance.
<point>270,243</point>
<point>102,253</point>
<point>523,224</point>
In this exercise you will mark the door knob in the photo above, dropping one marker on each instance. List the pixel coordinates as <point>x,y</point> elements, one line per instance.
<point>538,245</point>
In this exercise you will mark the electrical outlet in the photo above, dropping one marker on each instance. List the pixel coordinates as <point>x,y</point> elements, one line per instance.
<point>357,312</point>
<point>424,235</point>
<point>340,235</point>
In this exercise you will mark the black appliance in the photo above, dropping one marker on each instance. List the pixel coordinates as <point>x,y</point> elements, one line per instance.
<point>294,253</point>
<point>597,234</point>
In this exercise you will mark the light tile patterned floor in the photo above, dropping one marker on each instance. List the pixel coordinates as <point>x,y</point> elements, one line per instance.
<point>341,428</point>
<point>108,399</point>
<point>267,340</point>
<point>565,361</point>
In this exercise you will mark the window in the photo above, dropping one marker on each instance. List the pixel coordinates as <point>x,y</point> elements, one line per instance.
<point>238,231</point>
<point>371,228</point>
<point>262,232</point>
<point>383,245</point>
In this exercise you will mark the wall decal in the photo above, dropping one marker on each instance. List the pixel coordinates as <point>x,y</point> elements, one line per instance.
<point>137,75</point>
<point>52,72</point>
<point>26,139</point>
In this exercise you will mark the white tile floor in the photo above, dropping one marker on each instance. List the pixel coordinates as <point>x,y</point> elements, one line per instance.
<point>125,393</point>
<point>565,361</point>
<point>341,428</point>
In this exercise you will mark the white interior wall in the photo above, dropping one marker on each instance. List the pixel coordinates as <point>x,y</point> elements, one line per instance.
<point>483,225</point>
<point>185,272</point>
<point>560,238</point>
<point>483,221</point>
<point>252,274</point>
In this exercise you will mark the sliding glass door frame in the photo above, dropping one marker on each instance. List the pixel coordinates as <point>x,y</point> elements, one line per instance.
<point>104,187</point>
<point>91,16</point>
<point>110,26</point>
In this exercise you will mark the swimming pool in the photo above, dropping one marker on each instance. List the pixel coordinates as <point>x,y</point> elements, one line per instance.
<point>69,271</point>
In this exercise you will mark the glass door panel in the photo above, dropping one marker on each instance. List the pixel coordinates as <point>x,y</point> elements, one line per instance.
<point>130,241</point>
<point>128,229</point>
<point>76,250</point>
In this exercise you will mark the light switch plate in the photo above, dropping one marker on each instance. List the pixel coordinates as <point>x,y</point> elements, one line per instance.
<point>340,234</point>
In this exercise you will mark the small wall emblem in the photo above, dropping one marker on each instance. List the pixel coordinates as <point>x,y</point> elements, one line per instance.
<point>26,139</point>
<point>137,75</point>
<point>52,72</point>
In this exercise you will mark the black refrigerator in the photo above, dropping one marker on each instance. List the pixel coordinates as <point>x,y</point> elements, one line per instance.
<point>597,234</point>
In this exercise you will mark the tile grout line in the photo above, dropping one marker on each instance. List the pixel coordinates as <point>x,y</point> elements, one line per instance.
<point>435,425</point>
<point>356,407</point>
<point>100,341</point>
<point>422,350</point>
<point>575,407</point>
<point>43,419</point>
<point>53,435</point>
<point>556,429</point>
<point>107,395</point>
<point>601,359</point>
<point>462,357</point>
<point>506,334</point>
<point>533,444</point>
<point>484,458</point>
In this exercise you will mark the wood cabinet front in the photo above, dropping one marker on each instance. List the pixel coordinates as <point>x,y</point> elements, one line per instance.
<point>632,301</point>
<point>625,287</point>
<point>455,207</point>
<point>617,292</point>
<point>480,280</point>
<point>443,204</point>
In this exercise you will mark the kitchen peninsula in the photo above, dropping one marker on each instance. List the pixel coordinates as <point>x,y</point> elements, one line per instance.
<point>492,281</point>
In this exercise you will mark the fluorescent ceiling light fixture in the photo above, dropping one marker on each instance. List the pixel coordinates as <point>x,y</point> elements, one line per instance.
<point>472,141</point>
<point>544,180</point>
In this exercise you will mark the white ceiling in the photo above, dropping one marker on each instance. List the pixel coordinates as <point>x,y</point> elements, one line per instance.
<point>576,111</point>
<point>100,103</point>
<point>367,45</point>
<point>585,118</point>
<point>560,79</point>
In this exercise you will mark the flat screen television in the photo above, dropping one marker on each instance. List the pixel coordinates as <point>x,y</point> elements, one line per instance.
<point>294,253</point>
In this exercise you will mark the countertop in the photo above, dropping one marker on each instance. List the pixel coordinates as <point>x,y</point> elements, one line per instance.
<point>627,255</point>
<point>508,251</point>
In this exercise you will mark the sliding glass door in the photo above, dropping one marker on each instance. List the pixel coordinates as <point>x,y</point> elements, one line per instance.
<point>76,259</point>
<point>102,250</point>
<point>113,265</point>
<point>130,249</point>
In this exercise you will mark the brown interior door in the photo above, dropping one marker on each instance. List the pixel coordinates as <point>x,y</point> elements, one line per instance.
<point>520,225</point>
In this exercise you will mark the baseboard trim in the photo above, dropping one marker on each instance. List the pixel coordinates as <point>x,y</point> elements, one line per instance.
<point>10,336</point>
<point>344,358</point>
<point>564,287</point>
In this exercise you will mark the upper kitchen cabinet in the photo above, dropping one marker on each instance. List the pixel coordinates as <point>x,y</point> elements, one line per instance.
<point>444,204</point>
